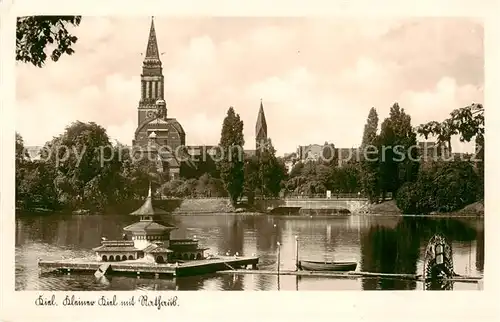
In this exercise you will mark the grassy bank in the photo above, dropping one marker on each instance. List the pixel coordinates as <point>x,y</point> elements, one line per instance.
<point>390,207</point>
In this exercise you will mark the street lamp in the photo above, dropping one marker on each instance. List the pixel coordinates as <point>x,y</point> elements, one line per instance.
<point>296,253</point>
<point>278,243</point>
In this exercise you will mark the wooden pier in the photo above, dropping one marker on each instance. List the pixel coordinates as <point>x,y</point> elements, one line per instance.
<point>222,265</point>
<point>137,267</point>
<point>352,275</point>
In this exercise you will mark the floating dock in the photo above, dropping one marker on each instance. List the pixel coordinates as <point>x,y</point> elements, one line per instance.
<point>352,274</point>
<point>137,267</point>
<point>221,264</point>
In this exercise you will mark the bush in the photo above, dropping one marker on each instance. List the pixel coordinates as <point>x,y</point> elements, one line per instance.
<point>443,187</point>
<point>205,186</point>
<point>406,199</point>
<point>456,186</point>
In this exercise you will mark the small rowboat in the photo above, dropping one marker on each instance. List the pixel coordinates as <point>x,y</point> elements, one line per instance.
<point>327,266</point>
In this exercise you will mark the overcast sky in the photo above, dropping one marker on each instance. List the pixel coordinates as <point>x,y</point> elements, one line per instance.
<point>318,78</point>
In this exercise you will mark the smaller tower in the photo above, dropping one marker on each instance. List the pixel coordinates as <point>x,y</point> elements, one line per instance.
<point>260,129</point>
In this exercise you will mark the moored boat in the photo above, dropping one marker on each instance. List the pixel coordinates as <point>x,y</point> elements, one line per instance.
<point>327,266</point>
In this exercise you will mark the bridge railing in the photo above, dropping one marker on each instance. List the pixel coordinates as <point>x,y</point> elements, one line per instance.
<point>324,196</point>
<point>286,196</point>
<point>192,197</point>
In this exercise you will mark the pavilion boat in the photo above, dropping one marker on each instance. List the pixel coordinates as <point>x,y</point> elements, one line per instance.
<point>150,240</point>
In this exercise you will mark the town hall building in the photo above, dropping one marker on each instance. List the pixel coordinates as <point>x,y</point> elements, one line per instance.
<point>156,130</point>
<point>160,136</point>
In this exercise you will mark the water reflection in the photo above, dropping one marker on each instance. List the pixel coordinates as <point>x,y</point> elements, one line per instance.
<point>380,244</point>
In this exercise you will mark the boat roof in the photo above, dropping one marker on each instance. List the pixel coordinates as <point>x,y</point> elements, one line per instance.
<point>147,208</point>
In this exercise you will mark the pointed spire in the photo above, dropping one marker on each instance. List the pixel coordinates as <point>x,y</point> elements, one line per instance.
<point>261,125</point>
<point>152,49</point>
<point>147,209</point>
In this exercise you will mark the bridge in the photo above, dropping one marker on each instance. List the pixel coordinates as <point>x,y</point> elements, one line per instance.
<point>222,205</point>
<point>351,204</point>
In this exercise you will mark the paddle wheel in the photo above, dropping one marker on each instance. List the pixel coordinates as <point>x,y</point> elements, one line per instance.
<point>438,264</point>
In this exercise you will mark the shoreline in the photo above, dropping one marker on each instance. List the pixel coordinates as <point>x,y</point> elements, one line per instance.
<point>475,209</point>
<point>386,208</point>
<point>255,213</point>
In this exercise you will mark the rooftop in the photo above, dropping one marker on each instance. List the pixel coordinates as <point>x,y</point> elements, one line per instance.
<point>115,248</point>
<point>148,209</point>
<point>160,249</point>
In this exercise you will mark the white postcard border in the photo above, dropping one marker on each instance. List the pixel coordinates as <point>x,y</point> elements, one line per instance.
<point>340,306</point>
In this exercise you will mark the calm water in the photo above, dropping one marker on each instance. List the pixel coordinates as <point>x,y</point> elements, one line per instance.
<point>379,243</point>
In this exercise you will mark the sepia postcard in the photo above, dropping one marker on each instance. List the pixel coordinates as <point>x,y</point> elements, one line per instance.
<point>160,149</point>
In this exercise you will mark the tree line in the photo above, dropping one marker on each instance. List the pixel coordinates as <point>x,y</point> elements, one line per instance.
<point>389,162</point>
<point>81,169</point>
<point>63,180</point>
<point>418,187</point>
<point>445,182</point>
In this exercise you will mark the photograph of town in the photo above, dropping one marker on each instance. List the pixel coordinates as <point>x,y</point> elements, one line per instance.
<point>249,153</point>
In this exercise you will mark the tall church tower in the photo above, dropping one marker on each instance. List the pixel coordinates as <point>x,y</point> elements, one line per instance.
<point>157,135</point>
<point>260,129</point>
<point>151,79</point>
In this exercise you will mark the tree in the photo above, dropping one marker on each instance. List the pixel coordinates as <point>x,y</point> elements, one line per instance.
<point>231,166</point>
<point>370,161</point>
<point>371,128</point>
<point>346,179</point>
<point>81,169</point>
<point>87,166</point>
<point>468,123</point>
<point>170,188</point>
<point>36,188</point>
<point>21,154</point>
<point>205,186</point>
<point>252,177</point>
<point>34,180</point>
<point>443,186</point>
<point>204,164</point>
<point>397,148</point>
<point>443,132</point>
<point>35,33</point>
<point>315,177</point>
<point>296,170</point>
<point>291,158</point>
<point>479,156</point>
<point>21,159</point>
<point>272,171</point>
<point>139,173</point>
